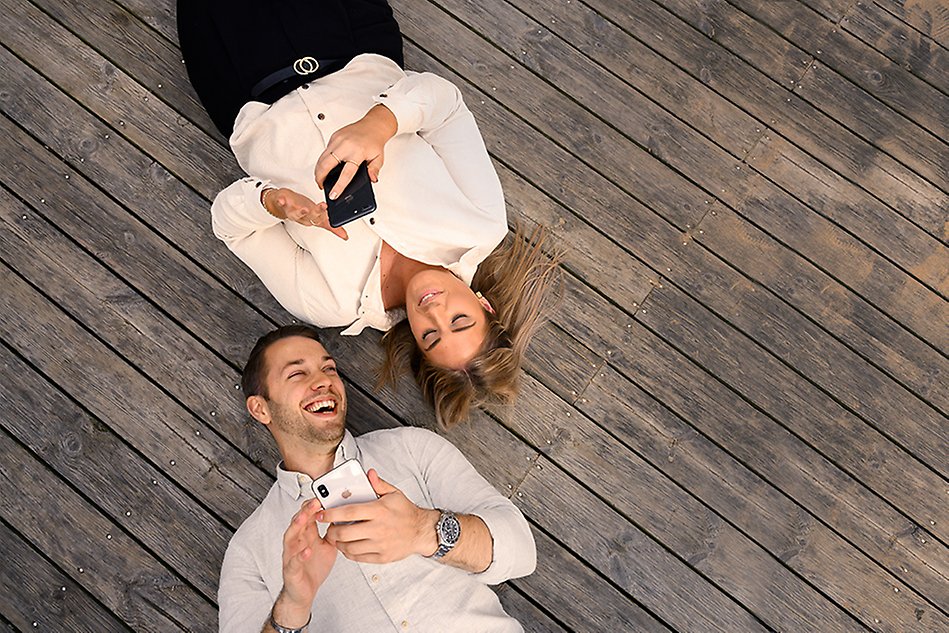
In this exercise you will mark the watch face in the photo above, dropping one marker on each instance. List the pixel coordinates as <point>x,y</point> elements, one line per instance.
<point>449,529</point>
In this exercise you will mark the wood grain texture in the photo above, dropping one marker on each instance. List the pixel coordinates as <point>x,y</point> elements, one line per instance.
<point>578,598</point>
<point>754,67</point>
<point>38,596</point>
<point>855,60</point>
<point>521,609</point>
<point>634,562</point>
<point>900,43</point>
<point>759,509</point>
<point>118,36</point>
<point>782,459</point>
<point>665,511</point>
<point>929,17</point>
<point>861,450</point>
<point>94,551</point>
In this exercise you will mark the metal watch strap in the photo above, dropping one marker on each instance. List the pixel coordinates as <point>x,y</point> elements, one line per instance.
<point>445,545</point>
<point>283,629</point>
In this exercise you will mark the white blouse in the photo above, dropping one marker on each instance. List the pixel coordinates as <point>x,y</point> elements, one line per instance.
<point>439,200</point>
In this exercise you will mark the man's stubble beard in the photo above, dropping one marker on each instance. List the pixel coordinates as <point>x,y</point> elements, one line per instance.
<point>290,421</point>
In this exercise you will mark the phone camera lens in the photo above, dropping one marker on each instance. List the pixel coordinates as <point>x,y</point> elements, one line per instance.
<point>323,491</point>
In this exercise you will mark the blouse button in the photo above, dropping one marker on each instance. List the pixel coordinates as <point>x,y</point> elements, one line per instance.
<point>321,116</point>
<point>375,578</point>
<point>305,86</point>
<point>383,95</point>
<point>372,220</point>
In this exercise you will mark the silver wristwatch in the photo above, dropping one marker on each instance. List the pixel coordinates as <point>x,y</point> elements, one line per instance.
<point>448,530</point>
<point>283,629</point>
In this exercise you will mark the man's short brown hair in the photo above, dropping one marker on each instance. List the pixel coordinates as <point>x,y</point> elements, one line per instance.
<point>253,378</point>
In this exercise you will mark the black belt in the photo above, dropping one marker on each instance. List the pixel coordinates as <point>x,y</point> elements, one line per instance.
<point>304,69</point>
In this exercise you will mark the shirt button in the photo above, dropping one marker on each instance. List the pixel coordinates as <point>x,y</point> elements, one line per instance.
<point>383,95</point>
<point>405,624</point>
<point>321,116</point>
<point>305,86</point>
<point>372,220</point>
<point>375,578</point>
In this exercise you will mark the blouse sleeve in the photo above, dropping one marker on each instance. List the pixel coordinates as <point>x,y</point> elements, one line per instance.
<point>261,241</point>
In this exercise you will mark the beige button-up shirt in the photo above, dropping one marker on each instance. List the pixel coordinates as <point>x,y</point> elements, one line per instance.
<point>414,594</point>
<point>439,200</point>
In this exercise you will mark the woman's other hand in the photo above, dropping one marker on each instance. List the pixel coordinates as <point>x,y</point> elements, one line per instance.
<point>361,141</point>
<point>287,204</point>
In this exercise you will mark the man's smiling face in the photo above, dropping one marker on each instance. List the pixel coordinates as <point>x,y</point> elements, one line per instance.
<point>306,398</point>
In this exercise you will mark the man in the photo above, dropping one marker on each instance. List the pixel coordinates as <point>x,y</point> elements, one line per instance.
<point>419,558</point>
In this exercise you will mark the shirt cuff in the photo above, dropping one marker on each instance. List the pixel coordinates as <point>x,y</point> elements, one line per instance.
<point>253,187</point>
<point>514,553</point>
<point>408,115</point>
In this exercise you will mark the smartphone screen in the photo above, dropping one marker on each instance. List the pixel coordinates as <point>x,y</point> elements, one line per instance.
<point>357,199</point>
<point>345,484</point>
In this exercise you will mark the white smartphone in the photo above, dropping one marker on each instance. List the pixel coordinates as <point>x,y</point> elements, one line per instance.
<point>345,484</point>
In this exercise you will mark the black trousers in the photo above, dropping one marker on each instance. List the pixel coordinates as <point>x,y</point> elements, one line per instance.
<point>229,46</point>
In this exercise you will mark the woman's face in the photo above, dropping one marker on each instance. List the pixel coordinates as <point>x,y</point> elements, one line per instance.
<point>447,319</point>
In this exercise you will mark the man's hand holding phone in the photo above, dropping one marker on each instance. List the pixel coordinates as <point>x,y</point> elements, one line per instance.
<point>382,531</point>
<point>287,204</point>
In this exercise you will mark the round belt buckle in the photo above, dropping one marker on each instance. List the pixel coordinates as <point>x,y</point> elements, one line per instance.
<point>306,66</point>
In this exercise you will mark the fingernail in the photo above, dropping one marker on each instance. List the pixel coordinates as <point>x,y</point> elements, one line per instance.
<point>334,195</point>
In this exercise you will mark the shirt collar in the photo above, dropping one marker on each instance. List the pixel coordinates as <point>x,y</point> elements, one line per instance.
<point>299,485</point>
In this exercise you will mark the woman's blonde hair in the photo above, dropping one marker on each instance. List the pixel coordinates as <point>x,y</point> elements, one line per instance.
<point>516,279</point>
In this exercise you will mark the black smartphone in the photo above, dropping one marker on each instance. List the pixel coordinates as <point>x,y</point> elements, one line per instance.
<point>356,201</point>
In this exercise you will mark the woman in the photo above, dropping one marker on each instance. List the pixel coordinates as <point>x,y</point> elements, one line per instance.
<point>302,86</point>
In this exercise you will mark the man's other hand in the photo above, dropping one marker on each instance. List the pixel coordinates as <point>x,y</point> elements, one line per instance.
<point>307,561</point>
<point>385,530</point>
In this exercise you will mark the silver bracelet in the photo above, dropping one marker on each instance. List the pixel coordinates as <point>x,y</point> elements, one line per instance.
<point>283,629</point>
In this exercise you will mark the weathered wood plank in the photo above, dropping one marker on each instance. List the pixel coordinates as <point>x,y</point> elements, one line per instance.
<point>116,98</point>
<point>96,552</point>
<point>798,538</point>
<point>861,326</point>
<point>38,596</point>
<point>520,608</point>
<point>98,464</point>
<point>902,44</point>
<point>738,57</point>
<point>579,598</point>
<point>855,60</point>
<point>858,448</point>
<point>118,36</point>
<point>779,457</point>
<point>158,14</point>
<point>695,534</point>
<point>639,566</point>
<point>929,17</point>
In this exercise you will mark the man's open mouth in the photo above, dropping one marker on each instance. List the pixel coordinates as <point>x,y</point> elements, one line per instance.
<point>321,406</point>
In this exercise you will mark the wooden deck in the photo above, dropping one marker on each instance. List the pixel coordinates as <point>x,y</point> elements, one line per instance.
<point>736,421</point>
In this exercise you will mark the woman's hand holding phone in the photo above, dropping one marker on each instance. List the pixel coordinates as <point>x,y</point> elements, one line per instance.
<point>287,204</point>
<point>362,141</point>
